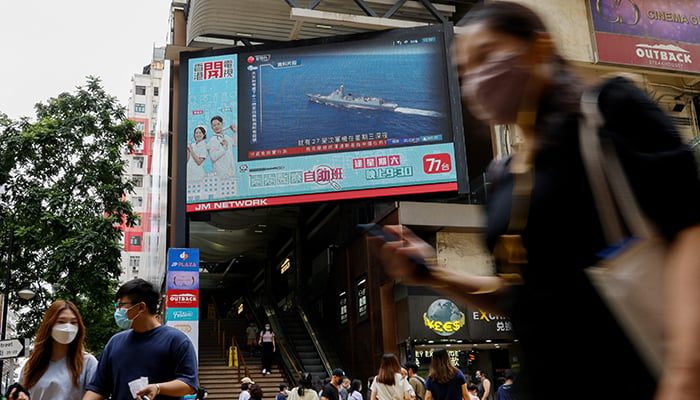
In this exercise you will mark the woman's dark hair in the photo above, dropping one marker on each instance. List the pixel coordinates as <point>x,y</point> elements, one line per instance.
<point>506,17</point>
<point>256,392</point>
<point>355,385</point>
<point>441,368</point>
<point>139,290</point>
<point>203,129</point>
<point>565,88</point>
<point>304,383</point>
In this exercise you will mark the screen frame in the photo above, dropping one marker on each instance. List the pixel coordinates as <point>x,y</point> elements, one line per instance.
<point>446,30</point>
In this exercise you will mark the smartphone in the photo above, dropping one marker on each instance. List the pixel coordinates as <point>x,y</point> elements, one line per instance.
<point>377,231</point>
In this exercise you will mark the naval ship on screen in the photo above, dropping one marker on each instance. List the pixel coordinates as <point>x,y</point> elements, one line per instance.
<point>339,98</point>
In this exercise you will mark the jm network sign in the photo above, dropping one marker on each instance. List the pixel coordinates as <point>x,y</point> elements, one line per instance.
<point>182,296</point>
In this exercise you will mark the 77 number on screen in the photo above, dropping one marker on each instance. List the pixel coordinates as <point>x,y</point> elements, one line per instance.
<point>437,163</point>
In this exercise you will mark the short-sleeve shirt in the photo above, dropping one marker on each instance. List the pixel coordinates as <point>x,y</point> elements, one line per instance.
<point>392,392</point>
<point>57,381</point>
<point>451,390</point>
<point>330,392</point>
<point>161,354</point>
<point>267,336</point>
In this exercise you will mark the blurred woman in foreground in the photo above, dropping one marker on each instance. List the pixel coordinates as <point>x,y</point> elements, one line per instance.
<point>512,74</point>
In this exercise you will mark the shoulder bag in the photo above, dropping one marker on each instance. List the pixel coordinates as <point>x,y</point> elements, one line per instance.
<point>630,275</point>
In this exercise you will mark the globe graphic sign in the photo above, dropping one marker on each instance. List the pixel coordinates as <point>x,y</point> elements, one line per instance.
<point>444,318</point>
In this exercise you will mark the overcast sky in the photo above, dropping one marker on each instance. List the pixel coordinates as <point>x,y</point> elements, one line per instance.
<point>49,47</point>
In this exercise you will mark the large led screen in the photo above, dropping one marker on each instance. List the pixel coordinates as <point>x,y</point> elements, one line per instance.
<point>347,117</point>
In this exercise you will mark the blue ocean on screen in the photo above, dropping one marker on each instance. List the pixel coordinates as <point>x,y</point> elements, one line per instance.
<point>413,82</point>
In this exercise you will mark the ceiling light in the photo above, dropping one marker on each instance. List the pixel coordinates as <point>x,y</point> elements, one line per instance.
<point>243,34</point>
<point>324,26</point>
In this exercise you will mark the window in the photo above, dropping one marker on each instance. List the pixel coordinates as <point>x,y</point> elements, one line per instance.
<point>137,201</point>
<point>155,91</point>
<point>135,241</point>
<point>141,90</point>
<point>140,126</point>
<point>343,308</point>
<point>134,262</point>
<point>362,298</point>
<point>140,108</point>
<point>138,180</point>
<point>137,162</point>
<point>155,109</point>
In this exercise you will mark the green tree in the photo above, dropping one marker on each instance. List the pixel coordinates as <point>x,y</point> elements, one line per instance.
<point>64,198</point>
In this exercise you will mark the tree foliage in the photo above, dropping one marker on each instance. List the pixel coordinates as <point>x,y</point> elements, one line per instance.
<point>64,197</point>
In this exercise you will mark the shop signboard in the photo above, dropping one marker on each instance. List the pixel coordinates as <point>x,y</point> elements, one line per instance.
<point>182,296</point>
<point>648,33</point>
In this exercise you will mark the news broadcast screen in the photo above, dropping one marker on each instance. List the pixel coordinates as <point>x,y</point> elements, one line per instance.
<point>328,119</point>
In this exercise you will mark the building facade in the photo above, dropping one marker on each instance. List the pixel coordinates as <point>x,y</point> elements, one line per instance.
<point>311,255</point>
<point>141,166</point>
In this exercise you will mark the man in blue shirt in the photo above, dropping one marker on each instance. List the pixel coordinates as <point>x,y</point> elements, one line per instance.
<point>160,353</point>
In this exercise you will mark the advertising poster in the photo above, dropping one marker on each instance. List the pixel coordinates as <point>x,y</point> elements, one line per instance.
<point>309,123</point>
<point>182,296</point>
<point>648,33</point>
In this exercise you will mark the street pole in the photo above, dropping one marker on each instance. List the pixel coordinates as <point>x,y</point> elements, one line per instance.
<point>10,240</point>
<point>6,299</point>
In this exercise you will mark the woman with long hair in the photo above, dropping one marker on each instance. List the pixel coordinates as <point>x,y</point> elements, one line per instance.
<point>267,341</point>
<point>305,389</point>
<point>59,367</point>
<point>445,381</point>
<point>389,384</point>
<point>355,391</point>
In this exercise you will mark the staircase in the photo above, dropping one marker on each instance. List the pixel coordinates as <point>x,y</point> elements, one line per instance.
<point>223,382</point>
<point>298,337</point>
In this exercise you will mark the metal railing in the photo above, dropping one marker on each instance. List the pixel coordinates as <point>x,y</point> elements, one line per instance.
<point>222,340</point>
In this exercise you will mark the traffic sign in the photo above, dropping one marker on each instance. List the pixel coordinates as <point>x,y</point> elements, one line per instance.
<point>12,348</point>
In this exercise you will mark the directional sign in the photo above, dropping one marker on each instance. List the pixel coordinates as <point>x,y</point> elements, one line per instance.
<point>12,348</point>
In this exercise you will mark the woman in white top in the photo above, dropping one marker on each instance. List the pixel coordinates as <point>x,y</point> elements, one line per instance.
<point>304,391</point>
<point>389,384</point>
<point>196,154</point>
<point>59,367</point>
<point>267,341</point>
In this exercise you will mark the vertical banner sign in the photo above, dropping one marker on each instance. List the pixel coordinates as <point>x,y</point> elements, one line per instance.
<point>182,297</point>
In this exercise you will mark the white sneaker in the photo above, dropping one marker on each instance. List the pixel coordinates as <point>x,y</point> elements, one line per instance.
<point>264,371</point>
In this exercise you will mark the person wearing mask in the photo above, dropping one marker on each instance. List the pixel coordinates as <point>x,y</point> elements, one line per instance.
<point>58,367</point>
<point>389,384</point>
<point>282,394</point>
<point>343,390</point>
<point>444,381</point>
<point>245,388</point>
<point>355,391</point>
<point>267,341</point>
<point>331,390</point>
<point>162,354</point>
<point>512,73</point>
<point>484,388</point>
<point>305,389</point>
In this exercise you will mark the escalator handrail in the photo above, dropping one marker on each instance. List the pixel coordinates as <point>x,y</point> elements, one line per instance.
<point>317,344</point>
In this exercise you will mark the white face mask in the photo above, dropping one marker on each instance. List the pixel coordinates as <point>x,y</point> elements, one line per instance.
<point>64,333</point>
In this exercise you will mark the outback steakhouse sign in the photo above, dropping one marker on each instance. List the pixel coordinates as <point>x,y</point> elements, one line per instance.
<point>648,33</point>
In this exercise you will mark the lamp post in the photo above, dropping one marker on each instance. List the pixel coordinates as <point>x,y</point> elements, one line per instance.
<point>24,293</point>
